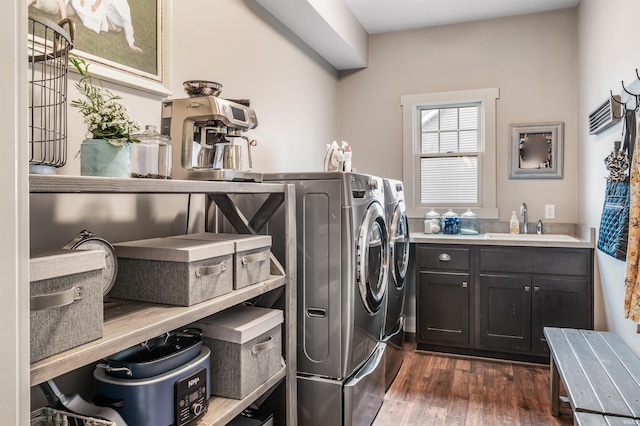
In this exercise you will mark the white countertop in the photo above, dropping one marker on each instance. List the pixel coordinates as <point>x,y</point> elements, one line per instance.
<point>585,240</point>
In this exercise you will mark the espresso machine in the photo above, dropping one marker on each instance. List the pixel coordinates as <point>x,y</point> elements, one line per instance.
<point>207,128</point>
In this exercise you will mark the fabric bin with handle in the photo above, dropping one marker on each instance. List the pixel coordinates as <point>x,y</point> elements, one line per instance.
<point>246,348</point>
<point>173,271</point>
<point>65,300</point>
<point>252,255</point>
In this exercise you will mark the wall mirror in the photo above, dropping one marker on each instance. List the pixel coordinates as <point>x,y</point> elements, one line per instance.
<point>536,151</point>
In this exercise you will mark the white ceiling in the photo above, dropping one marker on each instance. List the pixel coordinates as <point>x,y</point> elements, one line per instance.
<point>378,16</point>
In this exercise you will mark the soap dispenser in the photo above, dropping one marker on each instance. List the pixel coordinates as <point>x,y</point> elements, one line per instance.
<point>514,224</point>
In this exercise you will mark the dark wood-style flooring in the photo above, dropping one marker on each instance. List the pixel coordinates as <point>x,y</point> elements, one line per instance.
<point>446,390</point>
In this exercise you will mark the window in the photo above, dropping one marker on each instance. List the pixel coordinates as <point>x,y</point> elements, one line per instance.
<point>449,155</point>
<point>449,151</point>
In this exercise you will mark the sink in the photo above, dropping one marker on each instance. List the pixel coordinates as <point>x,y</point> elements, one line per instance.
<point>529,237</point>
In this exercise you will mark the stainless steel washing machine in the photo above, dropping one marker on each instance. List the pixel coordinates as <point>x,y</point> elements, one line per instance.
<point>393,334</point>
<point>343,251</point>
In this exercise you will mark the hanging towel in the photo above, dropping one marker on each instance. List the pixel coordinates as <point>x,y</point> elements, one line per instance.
<point>631,283</point>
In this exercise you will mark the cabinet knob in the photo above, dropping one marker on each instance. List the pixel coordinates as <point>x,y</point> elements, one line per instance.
<point>536,289</point>
<point>527,288</point>
<point>465,284</point>
<point>444,257</point>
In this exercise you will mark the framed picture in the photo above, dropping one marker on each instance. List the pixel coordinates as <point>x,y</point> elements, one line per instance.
<point>536,151</point>
<point>125,41</point>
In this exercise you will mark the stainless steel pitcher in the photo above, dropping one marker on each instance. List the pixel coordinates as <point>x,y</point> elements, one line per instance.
<point>228,156</point>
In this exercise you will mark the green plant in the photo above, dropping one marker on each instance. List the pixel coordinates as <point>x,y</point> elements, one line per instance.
<point>105,117</point>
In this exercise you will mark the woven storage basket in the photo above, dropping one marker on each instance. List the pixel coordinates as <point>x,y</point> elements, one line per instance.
<point>51,417</point>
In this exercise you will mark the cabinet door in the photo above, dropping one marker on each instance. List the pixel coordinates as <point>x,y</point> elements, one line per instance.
<point>559,302</point>
<point>443,308</point>
<point>505,313</point>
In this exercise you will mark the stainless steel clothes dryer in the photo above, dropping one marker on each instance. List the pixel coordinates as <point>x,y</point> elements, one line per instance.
<point>398,222</point>
<point>343,250</point>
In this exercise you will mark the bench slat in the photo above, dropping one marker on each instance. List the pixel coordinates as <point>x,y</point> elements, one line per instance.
<point>593,419</point>
<point>577,385</point>
<point>601,384</point>
<point>589,419</point>
<point>624,353</point>
<point>616,361</point>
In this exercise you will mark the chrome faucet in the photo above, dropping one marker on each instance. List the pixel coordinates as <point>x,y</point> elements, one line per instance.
<point>525,214</point>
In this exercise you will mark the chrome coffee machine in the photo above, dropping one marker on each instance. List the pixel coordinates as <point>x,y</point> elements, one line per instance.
<point>207,127</point>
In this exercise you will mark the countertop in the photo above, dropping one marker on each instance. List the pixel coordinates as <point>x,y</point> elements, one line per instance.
<point>584,238</point>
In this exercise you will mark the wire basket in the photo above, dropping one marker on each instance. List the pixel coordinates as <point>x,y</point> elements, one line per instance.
<point>51,417</point>
<point>48,54</point>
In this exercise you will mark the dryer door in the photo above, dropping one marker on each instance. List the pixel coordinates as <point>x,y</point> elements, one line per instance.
<point>399,254</point>
<point>373,255</point>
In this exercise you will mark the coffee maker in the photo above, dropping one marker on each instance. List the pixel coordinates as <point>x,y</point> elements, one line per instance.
<point>207,127</point>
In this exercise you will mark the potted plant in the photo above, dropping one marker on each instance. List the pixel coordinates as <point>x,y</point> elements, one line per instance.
<point>107,152</point>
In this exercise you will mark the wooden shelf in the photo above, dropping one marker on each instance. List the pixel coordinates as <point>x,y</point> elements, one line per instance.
<point>222,410</point>
<point>58,184</point>
<point>130,323</point>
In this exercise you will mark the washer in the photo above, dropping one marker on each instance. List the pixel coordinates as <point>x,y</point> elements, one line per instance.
<point>393,332</point>
<point>343,250</point>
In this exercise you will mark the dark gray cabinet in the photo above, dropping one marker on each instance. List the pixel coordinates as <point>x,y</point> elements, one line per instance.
<point>496,300</point>
<point>443,308</point>
<point>444,296</point>
<point>559,302</point>
<point>505,313</point>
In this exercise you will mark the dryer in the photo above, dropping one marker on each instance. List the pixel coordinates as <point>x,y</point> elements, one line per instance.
<point>393,332</point>
<point>342,271</point>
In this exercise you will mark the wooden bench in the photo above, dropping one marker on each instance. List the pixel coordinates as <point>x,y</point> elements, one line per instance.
<point>600,373</point>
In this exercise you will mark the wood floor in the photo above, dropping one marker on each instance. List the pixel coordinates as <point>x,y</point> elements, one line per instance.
<point>445,390</point>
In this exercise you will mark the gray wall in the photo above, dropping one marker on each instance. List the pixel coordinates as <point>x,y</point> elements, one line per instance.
<point>531,58</point>
<point>607,54</point>
<point>293,90</point>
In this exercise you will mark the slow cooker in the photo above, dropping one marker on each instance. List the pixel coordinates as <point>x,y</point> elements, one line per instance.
<point>175,397</point>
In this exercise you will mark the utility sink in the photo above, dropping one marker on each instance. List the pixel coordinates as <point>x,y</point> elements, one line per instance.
<point>529,237</point>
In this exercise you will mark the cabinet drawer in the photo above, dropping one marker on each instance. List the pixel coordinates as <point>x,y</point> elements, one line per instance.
<point>444,258</point>
<point>535,261</point>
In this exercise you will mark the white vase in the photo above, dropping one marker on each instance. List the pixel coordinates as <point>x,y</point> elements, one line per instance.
<point>99,158</point>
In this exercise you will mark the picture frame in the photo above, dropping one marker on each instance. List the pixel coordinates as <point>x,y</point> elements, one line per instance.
<point>130,48</point>
<point>536,151</point>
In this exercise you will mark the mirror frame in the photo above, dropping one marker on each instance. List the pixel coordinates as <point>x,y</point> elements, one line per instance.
<point>557,149</point>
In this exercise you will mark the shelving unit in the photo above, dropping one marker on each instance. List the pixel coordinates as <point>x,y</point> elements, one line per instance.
<point>128,323</point>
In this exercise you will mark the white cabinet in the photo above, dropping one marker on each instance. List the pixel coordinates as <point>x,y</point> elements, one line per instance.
<point>130,323</point>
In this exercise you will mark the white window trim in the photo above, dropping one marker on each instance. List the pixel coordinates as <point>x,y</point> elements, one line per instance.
<point>411,105</point>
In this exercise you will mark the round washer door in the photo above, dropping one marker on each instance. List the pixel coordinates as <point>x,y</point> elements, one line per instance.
<point>399,236</point>
<point>372,258</point>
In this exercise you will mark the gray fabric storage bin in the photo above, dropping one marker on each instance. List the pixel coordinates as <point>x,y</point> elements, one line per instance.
<point>66,300</point>
<point>173,271</point>
<point>246,348</point>
<point>252,255</point>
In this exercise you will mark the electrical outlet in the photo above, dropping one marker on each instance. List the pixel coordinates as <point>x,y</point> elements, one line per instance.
<point>550,211</point>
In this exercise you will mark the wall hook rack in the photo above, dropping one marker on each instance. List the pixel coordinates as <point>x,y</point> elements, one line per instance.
<point>616,100</point>
<point>625,89</point>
